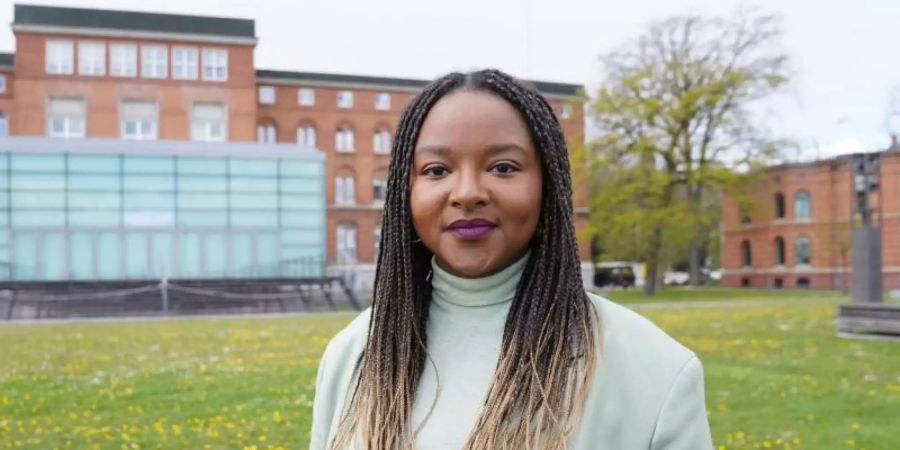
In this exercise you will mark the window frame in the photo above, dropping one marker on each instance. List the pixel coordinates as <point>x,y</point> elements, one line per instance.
<point>161,62</point>
<point>179,67</point>
<point>87,51</point>
<point>117,49</point>
<point>65,65</point>
<point>210,60</point>
<point>383,101</point>
<point>345,99</point>
<point>266,95</point>
<point>306,100</point>
<point>140,135</point>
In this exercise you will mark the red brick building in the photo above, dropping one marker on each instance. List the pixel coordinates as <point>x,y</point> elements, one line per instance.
<point>80,73</point>
<point>796,233</point>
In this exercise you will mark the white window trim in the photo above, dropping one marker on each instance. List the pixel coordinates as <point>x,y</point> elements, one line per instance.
<point>381,142</point>
<point>266,133</point>
<point>179,68</point>
<point>64,66</point>
<point>348,104</point>
<point>344,190</point>
<point>386,104</point>
<point>208,59</point>
<point>267,95</point>
<point>376,181</point>
<point>97,68</point>
<point>2,83</point>
<point>303,135</point>
<point>156,63</point>
<point>345,234</point>
<point>129,68</point>
<point>206,132</point>
<point>140,136</point>
<point>68,120</point>
<point>311,98</point>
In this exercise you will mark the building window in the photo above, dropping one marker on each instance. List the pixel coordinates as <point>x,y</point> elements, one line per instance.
<point>801,206</point>
<point>184,63</point>
<point>138,120</point>
<point>306,135</point>
<point>343,140</point>
<point>266,134</point>
<point>381,142</point>
<point>65,117</point>
<point>154,61</point>
<point>377,240</point>
<point>267,95</point>
<point>4,125</point>
<point>59,57</point>
<point>802,250</point>
<point>306,97</point>
<point>123,60</point>
<point>779,251</point>
<point>383,101</point>
<point>345,99</point>
<point>745,282</point>
<point>91,58</point>
<point>779,283</point>
<point>208,122</point>
<point>779,206</point>
<point>746,254</point>
<point>215,64</point>
<point>566,111</point>
<point>379,189</point>
<point>345,243</point>
<point>803,283</point>
<point>344,190</point>
<point>2,83</point>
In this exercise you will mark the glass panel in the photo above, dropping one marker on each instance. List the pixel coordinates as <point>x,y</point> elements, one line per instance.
<point>148,218</point>
<point>136,255</point>
<point>81,256</point>
<point>109,183</point>
<point>163,257</point>
<point>190,252</point>
<point>254,219</point>
<point>215,255</point>
<point>4,161</point>
<point>38,163</point>
<point>24,256</point>
<point>303,185</point>
<point>202,183</point>
<point>209,166</point>
<point>4,180</point>
<point>95,200</point>
<point>242,254</point>
<point>267,255</point>
<point>149,183</point>
<point>254,167</point>
<point>94,218</point>
<point>254,201</point>
<point>299,219</point>
<point>202,218</point>
<point>26,181</point>
<point>149,200</point>
<point>89,163</point>
<point>301,168</point>
<point>149,164</point>
<point>303,202</point>
<point>53,257</point>
<point>109,255</point>
<point>202,201</point>
<point>309,237</point>
<point>22,218</point>
<point>38,199</point>
<point>245,184</point>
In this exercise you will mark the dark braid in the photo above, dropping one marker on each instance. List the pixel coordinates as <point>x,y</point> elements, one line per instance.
<point>548,349</point>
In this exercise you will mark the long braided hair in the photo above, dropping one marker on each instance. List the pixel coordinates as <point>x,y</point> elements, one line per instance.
<point>549,340</point>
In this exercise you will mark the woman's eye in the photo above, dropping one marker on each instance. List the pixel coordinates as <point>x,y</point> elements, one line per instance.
<point>435,171</point>
<point>504,168</point>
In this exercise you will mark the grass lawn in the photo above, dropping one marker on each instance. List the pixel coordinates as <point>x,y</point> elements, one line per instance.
<point>705,294</point>
<point>777,377</point>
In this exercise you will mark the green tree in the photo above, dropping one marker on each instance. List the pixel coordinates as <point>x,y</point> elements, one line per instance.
<point>678,131</point>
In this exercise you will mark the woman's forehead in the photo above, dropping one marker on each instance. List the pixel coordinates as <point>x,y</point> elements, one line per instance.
<point>473,118</point>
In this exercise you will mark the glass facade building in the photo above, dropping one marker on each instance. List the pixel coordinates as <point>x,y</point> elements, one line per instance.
<point>97,209</point>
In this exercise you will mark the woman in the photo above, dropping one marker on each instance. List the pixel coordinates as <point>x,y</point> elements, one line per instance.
<point>481,335</point>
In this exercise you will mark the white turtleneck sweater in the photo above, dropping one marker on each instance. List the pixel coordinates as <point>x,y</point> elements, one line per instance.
<point>647,391</point>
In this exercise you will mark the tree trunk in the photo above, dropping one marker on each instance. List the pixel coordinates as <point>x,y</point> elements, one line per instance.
<point>694,261</point>
<point>650,282</point>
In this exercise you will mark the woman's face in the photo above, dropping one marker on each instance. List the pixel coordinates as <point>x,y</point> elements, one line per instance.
<point>475,184</point>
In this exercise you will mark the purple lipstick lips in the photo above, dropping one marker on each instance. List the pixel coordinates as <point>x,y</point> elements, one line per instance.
<point>471,229</point>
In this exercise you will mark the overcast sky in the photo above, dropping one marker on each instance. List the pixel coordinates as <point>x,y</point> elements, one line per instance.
<point>845,52</point>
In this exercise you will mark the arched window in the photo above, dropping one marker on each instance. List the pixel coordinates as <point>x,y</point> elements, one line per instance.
<point>344,188</point>
<point>779,205</point>
<point>381,141</point>
<point>746,254</point>
<point>306,135</point>
<point>345,243</point>
<point>779,251</point>
<point>801,206</point>
<point>266,133</point>
<point>802,250</point>
<point>377,239</point>
<point>379,186</point>
<point>343,139</point>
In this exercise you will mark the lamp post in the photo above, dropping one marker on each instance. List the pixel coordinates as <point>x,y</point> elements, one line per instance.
<point>866,230</point>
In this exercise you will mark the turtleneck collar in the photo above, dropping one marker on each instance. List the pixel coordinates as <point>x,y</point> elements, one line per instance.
<point>476,292</point>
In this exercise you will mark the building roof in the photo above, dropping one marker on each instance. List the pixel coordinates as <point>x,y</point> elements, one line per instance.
<point>6,59</point>
<point>132,21</point>
<point>545,87</point>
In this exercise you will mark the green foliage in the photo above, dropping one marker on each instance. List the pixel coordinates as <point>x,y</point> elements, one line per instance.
<point>677,132</point>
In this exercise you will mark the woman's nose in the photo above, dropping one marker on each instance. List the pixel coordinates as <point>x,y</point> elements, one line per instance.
<point>468,191</point>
